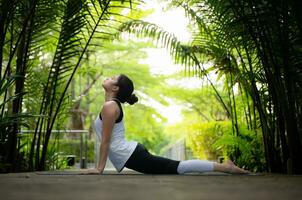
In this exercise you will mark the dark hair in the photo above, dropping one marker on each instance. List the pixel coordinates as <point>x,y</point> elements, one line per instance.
<point>125,90</point>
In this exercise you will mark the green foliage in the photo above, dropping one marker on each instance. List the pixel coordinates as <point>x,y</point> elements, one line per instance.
<point>202,136</point>
<point>213,139</point>
<point>197,100</point>
<point>59,150</point>
<point>72,147</point>
<point>145,125</point>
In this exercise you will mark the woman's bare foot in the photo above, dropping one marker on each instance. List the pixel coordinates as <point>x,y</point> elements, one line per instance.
<point>233,169</point>
<point>229,167</point>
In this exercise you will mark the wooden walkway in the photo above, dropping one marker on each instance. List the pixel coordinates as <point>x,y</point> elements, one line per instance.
<point>130,185</point>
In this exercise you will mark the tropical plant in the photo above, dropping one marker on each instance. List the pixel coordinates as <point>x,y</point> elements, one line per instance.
<point>33,31</point>
<point>211,140</point>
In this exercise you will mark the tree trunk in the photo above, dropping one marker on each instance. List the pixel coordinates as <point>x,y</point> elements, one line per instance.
<point>17,102</point>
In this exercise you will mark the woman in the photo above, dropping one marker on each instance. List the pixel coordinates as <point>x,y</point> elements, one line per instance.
<point>110,130</point>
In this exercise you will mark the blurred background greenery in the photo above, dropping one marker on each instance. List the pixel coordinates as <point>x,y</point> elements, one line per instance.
<point>227,82</point>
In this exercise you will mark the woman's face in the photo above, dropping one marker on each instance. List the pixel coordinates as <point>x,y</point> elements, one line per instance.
<point>110,83</point>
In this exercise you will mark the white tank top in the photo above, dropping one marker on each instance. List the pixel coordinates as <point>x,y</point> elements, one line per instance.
<point>119,149</point>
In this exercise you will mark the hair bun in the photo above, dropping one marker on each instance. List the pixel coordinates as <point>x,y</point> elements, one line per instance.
<point>132,99</point>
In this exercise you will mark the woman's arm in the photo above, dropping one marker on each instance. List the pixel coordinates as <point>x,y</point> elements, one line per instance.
<point>109,115</point>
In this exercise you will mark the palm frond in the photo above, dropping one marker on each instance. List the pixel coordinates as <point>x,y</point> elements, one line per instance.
<point>98,23</point>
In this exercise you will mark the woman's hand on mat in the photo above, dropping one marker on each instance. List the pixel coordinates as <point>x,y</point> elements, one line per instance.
<point>94,171</point>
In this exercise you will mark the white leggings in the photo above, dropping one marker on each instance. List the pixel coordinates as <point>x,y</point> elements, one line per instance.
<point>187,166</point>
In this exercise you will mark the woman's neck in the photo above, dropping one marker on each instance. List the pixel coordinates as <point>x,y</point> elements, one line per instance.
<point>109,96</point>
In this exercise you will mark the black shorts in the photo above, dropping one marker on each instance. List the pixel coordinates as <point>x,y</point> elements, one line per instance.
<point>142,161</point>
